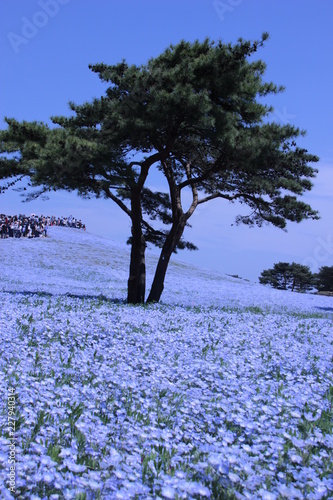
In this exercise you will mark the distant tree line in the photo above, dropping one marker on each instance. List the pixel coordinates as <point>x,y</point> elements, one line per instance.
<point>297,278</point>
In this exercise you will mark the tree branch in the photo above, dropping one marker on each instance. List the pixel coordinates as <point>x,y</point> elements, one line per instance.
<point>231,198</point>
<point>174,190</point>
<point>150,228</point>
<point>145,165</point>
<point>120,204</point>
<point>202,177</point>
<point>217,195</point>
<point>194,203</point>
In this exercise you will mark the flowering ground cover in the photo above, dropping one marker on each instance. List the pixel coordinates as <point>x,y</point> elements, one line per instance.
<point>223,390</point>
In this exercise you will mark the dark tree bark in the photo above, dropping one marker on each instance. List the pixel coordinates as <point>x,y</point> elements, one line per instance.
<point>170,244</point>
<point>137,275</point>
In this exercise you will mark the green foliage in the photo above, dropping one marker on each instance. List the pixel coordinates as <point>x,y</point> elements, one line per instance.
<point>254,310</point>
<point>53,452</point>
<point>324,422</point>
<point>156,461</point>
<point>38,425</point>
<point>76,411</point>
<point>324,279</point>
<point>285,276</point>
<point>194,104</point>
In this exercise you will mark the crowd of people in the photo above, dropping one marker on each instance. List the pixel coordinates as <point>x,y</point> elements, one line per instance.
<point>34,226</point>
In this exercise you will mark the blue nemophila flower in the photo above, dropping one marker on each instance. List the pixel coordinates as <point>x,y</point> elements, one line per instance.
<point>233,477</point>
<point>267,495</point>
<point>312,418</point>
<point>38,476</point>
<point>289,491</point>
<point>6,495</point>
<point>172,396</point>
<point>91,484</point>
<point>69,494</point>
<point>120,474</point>
<point>46,460</point>
<point>66,452</point>
<point>48,477</point>
<point>73,467</point>
<point>38,448</point>
<point>168,492</point>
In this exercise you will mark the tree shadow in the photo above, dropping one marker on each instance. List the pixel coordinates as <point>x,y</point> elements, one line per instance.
<point>100,297</point>
<point>325,308</point>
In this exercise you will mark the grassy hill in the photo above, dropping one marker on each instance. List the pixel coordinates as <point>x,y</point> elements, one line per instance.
<point>224,390</point>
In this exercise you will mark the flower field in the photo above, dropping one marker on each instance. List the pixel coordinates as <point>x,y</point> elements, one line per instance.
<point>223,390</point>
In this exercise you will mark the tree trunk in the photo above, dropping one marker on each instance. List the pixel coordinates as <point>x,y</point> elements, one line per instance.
<point>162,266</point>
<point>136,287</point>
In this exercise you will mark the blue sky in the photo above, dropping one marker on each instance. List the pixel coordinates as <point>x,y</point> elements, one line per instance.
<point>47,45</point>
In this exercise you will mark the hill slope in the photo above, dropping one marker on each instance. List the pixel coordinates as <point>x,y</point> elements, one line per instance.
<point>224,390</point>
<point>72,261</point>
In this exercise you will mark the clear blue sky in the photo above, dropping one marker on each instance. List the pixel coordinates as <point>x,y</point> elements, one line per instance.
<point>46,46</point>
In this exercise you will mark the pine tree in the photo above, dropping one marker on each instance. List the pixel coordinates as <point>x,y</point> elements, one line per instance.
<point>285,276</point>
<point>196,114</point>
<point>324,279</point>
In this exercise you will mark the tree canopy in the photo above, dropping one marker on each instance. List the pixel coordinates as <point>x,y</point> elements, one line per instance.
<point>324,279</point>
<point>285,276</point>
<point>196,113</point>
